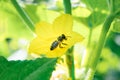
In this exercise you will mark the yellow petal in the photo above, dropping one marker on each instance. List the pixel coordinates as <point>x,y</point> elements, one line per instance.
<point>42,47</point>
<point>48,33</point>
<point>58,52</point>
<point>71,40</point>
<point>75,37</point>
<point>44,30</point>
<point>38,46</point>
<point>63,24</point>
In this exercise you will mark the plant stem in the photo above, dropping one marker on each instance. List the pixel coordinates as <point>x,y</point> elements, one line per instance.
<point>102,38</point>
<point>89,75</point>
<point>67,6</point>
<point>70,62</point>
<point>90,35</point>
<point>69,55</point>
<point>23,15</point>
<point>111,5</point>
<point>97,52</point>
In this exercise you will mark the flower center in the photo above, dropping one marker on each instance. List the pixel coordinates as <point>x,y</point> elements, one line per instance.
<point>58,42</point>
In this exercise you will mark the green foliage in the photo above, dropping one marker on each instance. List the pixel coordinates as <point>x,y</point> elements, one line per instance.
<point>116,26</point>
<point>113,42</point>
<point>94,19</point>
<point>96,4</point>
<point>38,69</point>
<point>11,22</point>
<point>98,14</point>
<point>29,9</point>
<point>46,15</point>
<point>114,5</point>
<point>87,21</point>
<point>4,51</point>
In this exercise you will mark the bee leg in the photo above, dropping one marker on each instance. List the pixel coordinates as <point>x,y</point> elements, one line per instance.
<point>64,43</point>
<point>60,46</point>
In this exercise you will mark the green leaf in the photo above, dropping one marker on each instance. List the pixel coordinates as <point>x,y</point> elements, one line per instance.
<point>112,42</point>
<point>96,4</point>
<point>3,63</point>
<point>114,5</point>
<point>93,20</point>
<point>96,18</point>
<point>116,26</point>
<point>38,69</point>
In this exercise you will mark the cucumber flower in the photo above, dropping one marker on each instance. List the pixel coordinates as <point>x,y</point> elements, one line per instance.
<point>53,40</point>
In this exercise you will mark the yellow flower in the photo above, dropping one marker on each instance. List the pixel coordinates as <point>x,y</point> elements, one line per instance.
<point>47,42</point>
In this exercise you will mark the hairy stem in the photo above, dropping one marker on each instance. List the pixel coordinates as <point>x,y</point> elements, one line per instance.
<point>102,38</point>
<point>96,53</point>
<point>89,75</point>
<point>70,63</point>
<point>90,36</point>
<point>69,55</point>
<point>98,49</point>
<point>67,6</point>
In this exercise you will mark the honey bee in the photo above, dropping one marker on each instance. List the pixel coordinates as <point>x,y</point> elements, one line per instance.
<point>58,42</point>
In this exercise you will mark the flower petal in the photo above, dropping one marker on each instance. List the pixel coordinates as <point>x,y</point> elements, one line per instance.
<point>38,46</point>
<point>71,40</point>
<point>48,33</point>
<point>42,47</point>
<point>74,38</point>
<point>58,52</point>
<point>44,30</point>
<point>63,24</point>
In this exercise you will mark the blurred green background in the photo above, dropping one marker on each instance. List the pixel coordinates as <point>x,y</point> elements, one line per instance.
<point>89,17</point>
